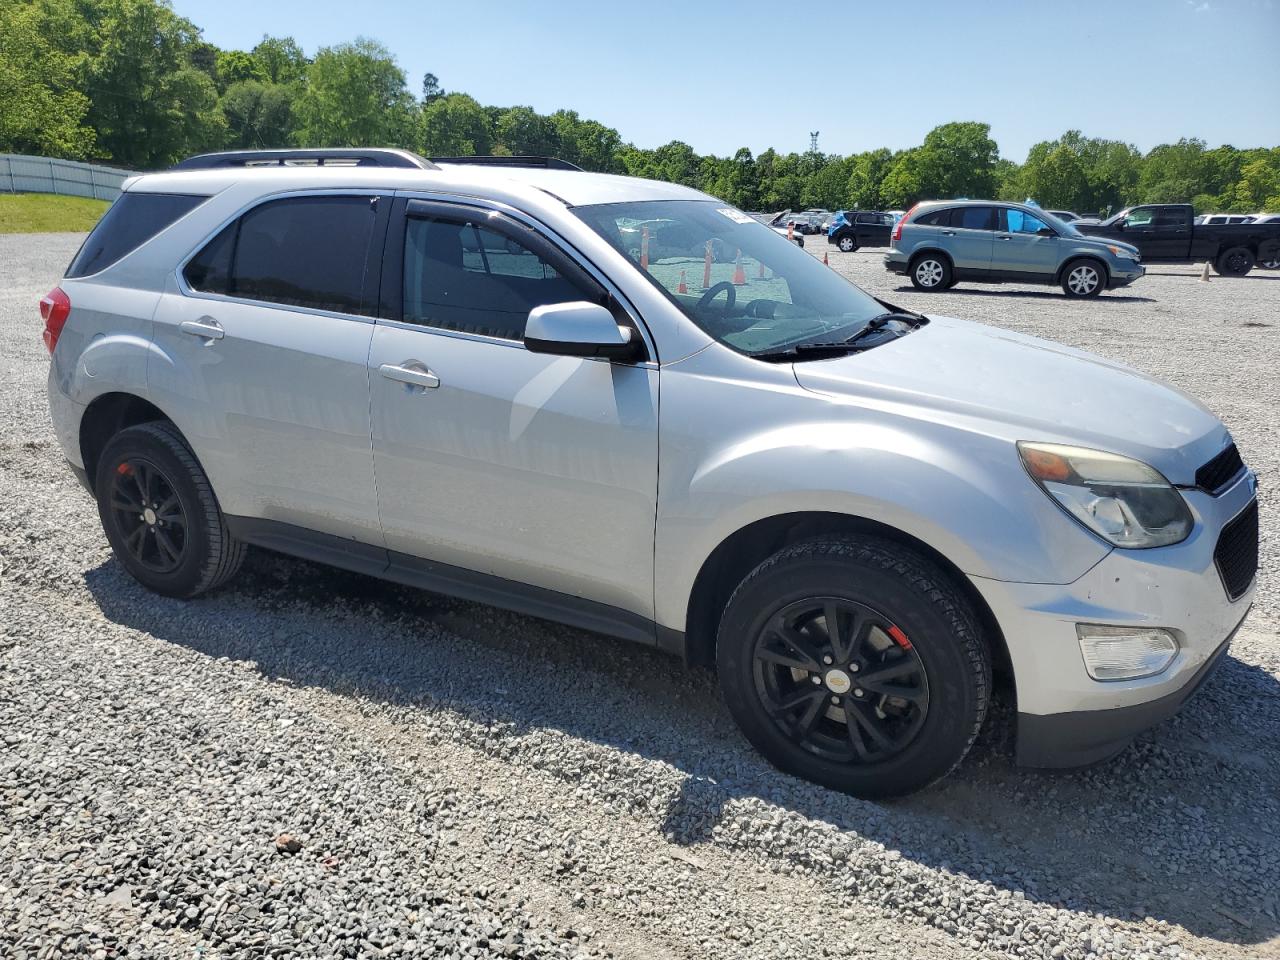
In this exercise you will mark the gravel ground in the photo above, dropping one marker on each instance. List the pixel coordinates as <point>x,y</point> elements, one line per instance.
<point>312,763</point>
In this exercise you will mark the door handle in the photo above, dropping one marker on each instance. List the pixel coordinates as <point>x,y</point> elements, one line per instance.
<point>1003,236</point>
<point>414,377</point>
<point>206,327</point>
<point>948,233</point>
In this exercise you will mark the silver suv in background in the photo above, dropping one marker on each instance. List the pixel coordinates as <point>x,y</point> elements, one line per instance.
<point>943,242</point>
<point>630,407</point>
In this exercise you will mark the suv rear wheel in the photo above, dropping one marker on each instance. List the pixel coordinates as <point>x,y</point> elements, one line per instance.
<point>847,244</point>
<point>160,515</point>
<point>854,663</point>
<point>931,272</point>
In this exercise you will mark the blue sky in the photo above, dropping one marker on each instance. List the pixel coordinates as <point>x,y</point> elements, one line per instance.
<point>720,75</point>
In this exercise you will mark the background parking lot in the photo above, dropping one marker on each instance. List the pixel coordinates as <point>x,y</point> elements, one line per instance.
<point>462,781</point>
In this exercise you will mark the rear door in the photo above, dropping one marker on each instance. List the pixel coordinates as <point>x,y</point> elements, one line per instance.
<point>260,356</point>
<point>493,460</point>
<point>1027,249</point>
<point>970,238</point>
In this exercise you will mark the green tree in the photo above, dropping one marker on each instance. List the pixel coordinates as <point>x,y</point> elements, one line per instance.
<point>282,60</point>
<point>957,160</point>
<point>454,125</point>
<point>43,111</point>
<point>258,114</point>
<point>234,66</point>
<point>591,145</point>
<point>866,176</point>
<point>149,105</point>
<point>526,132</point>
<point>355,97</point>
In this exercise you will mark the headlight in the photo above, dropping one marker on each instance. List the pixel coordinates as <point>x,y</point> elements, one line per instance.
<point>1133,255</point>
<point>1123,501</point>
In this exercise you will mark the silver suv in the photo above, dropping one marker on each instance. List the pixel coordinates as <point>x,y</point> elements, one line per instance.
<point>630,407</point>
<point>942,242</point>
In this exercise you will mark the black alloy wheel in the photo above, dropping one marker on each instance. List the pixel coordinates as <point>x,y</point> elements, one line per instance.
<point>149,515</point>
<point>840,680</point>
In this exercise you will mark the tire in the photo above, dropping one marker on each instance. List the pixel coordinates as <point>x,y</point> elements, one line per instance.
<point>1235,262</point>
<point>1084,278</point>
<point>931,272</point>
<point>1269,255</point>
<point>179,545</point>
<point>847,244</point>
<point>911,619</point>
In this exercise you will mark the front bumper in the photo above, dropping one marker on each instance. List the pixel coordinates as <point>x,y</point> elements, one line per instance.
<point>1125,274</point>
<point>1066,718</point>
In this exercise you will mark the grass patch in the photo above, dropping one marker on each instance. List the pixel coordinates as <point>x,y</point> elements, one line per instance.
<point>47,213</point>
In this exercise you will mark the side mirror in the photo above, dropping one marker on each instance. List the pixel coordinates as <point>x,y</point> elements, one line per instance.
<point>1119,224</point>
<point>579,329</point>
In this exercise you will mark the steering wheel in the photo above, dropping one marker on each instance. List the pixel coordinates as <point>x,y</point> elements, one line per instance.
<point>714,291</point>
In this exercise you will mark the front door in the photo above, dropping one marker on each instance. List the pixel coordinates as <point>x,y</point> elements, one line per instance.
<point>491,459</point>
<point>260,356</point>
<point>1159,232</point>
<point>1026,248</point>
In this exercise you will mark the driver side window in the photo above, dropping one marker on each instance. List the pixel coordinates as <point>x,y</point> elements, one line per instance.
<point>1022,222</point>
<point>1141,217</point>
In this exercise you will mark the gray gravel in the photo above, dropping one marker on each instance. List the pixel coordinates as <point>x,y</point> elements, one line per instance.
<point>312,763</point>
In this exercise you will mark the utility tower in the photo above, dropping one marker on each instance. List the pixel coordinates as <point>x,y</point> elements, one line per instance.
<point>813,141</point>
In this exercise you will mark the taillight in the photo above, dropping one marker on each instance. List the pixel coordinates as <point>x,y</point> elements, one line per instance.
<point>55,307</point>
<point>897,227</point>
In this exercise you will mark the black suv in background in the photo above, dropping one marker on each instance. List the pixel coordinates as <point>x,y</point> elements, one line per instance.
<point>851,229</point>
<point>1167,233</point>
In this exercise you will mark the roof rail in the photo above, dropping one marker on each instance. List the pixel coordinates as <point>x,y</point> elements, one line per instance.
<point>547,163</point>
<point>319,156</point>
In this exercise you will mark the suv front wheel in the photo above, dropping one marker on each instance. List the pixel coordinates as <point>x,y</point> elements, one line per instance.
<point>1083,278</point>
<point>847,244</point>
<point>160,515</point>
<point>854,663</point>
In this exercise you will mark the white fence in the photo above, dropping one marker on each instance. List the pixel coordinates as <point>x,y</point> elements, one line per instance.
<point>20,174</point>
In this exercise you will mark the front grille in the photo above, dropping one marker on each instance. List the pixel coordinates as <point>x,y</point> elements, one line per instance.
<point>1236,554</point>
<point>1221,470</point>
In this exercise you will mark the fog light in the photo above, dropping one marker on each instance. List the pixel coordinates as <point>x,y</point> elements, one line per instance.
<point>1125,653</point>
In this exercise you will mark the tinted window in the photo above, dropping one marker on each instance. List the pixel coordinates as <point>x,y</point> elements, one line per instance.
<point>1020,221</point>
<point>868,218</point>
<point>129,223</point>
<point>303,251</point>
<point>974,218</point>
<point>461,276</point>
<point>938,218</point>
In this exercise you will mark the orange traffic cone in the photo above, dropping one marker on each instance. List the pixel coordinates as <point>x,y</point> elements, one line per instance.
<point>739,275</point>
<point>683,287</point>
<point>825,261</point>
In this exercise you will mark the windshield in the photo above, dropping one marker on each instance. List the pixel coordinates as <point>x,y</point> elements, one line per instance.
<point>740,281</point>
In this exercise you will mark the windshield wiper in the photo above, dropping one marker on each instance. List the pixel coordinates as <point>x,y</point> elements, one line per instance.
<point>835,348</point>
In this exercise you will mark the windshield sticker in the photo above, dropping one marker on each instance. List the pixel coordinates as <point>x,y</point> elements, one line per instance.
<point>737,216</point>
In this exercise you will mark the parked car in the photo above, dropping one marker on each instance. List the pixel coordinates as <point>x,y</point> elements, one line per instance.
<point>1165,233</point>
<point>856,513</point>
<point>1066,216</point>
<point>1271,259</point>
<point>1220,218</point>
<point>779,224</point>
<point>851,229</point>
<point>940,243</point>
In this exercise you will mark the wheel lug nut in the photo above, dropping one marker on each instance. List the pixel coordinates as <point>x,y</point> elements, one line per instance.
<point>835,699</point>
<point>857,693</point>
<point>817,679</point>
<point>854,668</point>
<point>826,660</point>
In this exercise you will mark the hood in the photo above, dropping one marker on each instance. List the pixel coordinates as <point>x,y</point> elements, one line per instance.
<point>1099,239</point>
<point>1024,388</point>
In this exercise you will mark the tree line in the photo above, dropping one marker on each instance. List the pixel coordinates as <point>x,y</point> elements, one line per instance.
<point>131,83</point>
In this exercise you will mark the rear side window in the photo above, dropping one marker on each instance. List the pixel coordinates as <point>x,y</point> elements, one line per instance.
<point>938,218</point>
<point>466,277</point>
<point>974,218</point>
<point>301,251</point>
<point>129,223</point>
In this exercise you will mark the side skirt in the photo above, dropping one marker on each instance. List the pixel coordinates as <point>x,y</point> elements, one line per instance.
<point>446,579</point>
